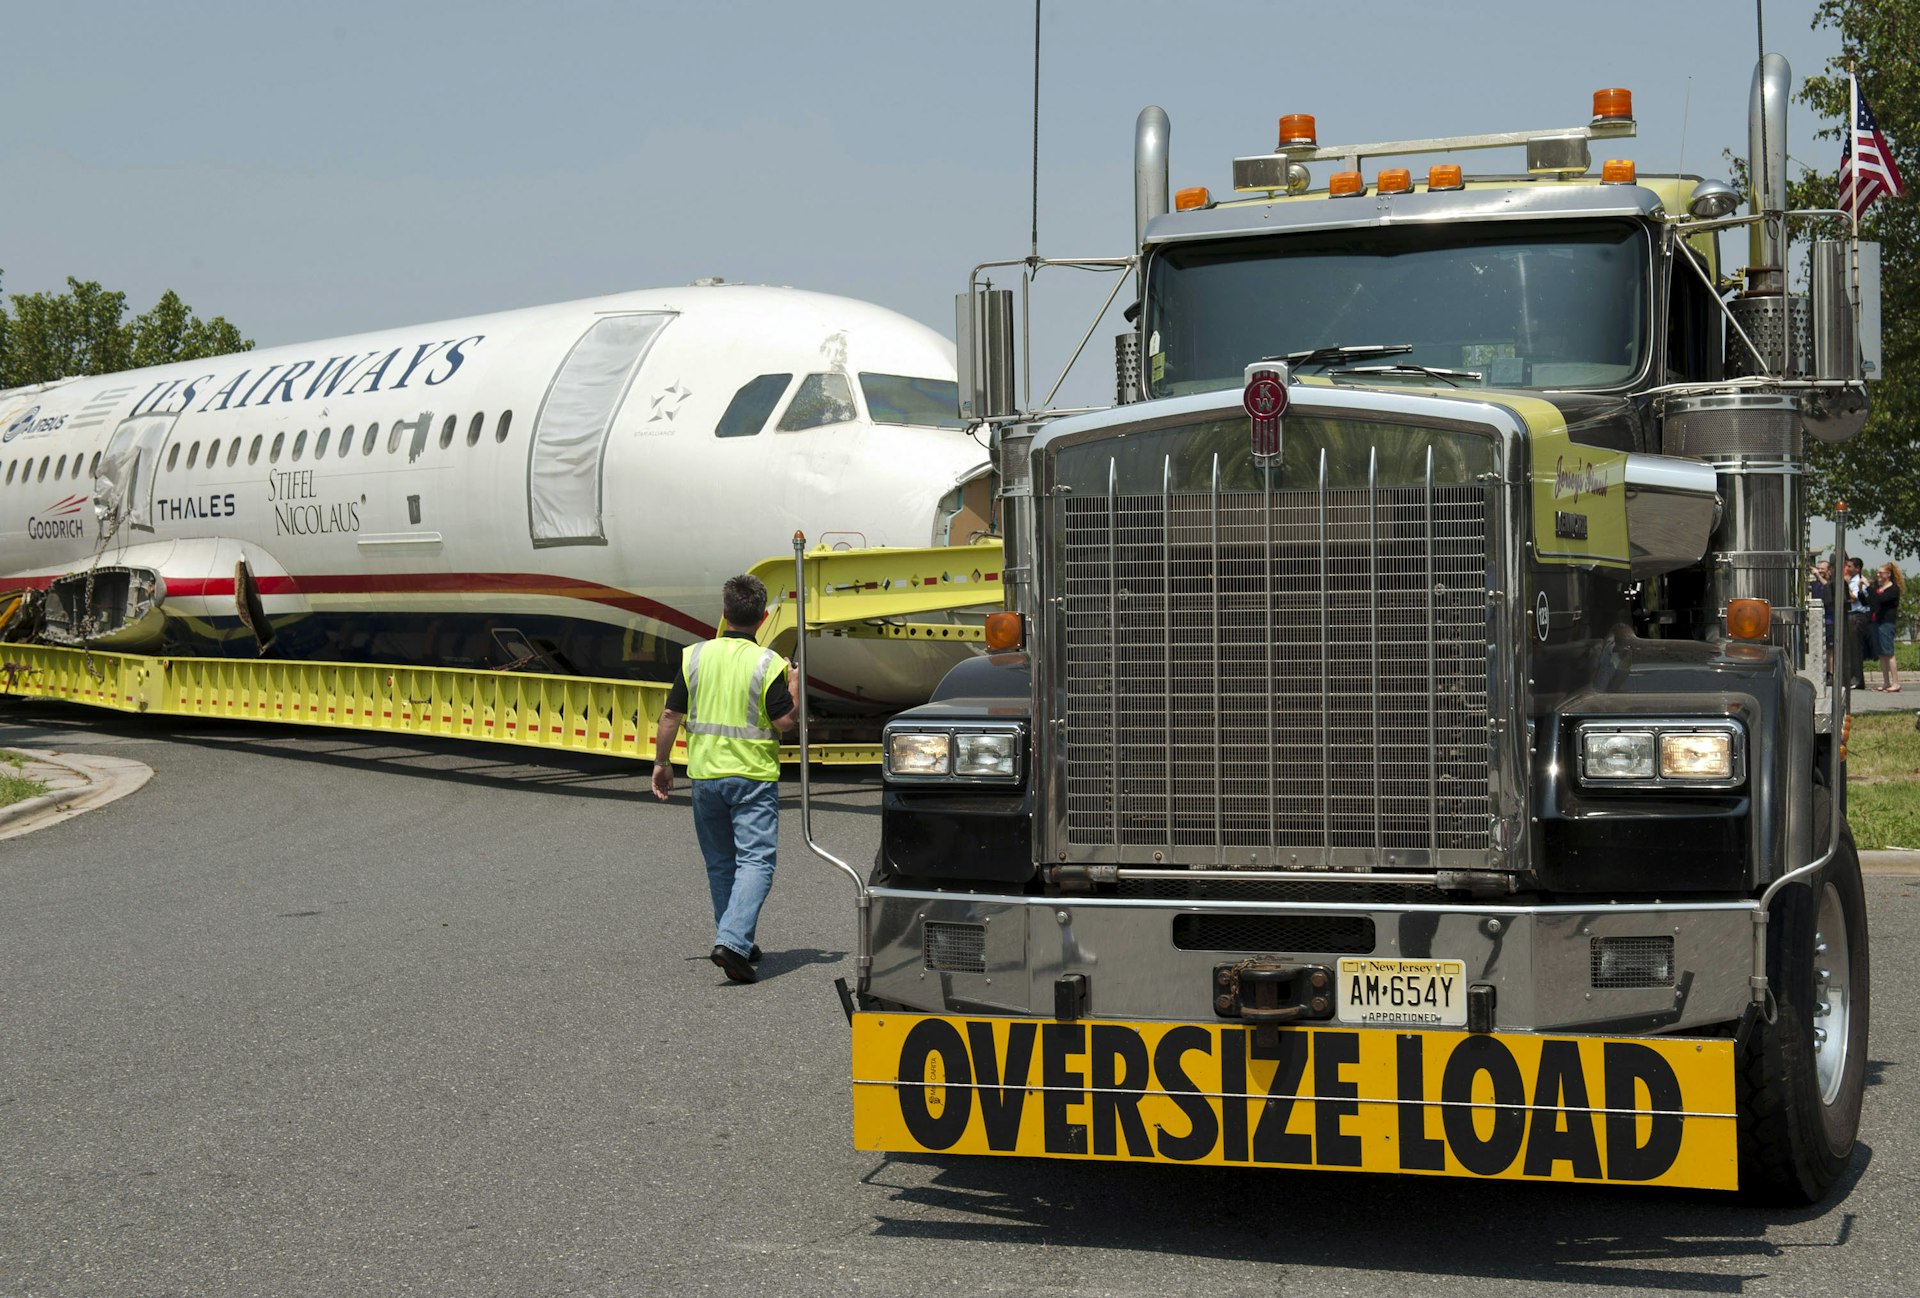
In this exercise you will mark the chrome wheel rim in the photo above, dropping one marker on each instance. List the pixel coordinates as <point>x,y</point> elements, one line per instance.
<point>1832,995</point>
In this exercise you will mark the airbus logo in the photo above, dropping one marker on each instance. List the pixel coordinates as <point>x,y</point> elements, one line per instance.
<point>24,423</point>
<point>20,424</point>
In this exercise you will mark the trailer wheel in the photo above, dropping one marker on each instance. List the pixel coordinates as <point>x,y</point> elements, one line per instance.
<point>1802,1076</point>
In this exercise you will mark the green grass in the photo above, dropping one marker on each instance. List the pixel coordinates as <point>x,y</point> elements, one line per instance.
<point>14,787</point>
<point>1883,780</point>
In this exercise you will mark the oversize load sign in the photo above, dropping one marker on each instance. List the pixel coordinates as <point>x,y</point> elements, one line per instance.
<point>1654,1111</point>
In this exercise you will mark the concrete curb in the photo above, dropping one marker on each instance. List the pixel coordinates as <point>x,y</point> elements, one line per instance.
<point>79,784</point>
<point>1895,861</point>
<point>45,802</point>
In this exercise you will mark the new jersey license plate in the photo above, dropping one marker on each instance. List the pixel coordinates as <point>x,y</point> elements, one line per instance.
<point>1429,993</point>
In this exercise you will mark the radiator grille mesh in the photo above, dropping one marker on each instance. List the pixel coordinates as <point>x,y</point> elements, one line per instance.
<point>1360,613</point>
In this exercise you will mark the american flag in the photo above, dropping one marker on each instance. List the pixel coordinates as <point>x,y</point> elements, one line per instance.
<point>1867,168</point>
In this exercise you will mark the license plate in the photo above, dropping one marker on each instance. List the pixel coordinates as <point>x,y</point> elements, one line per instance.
<point>1431,993</point>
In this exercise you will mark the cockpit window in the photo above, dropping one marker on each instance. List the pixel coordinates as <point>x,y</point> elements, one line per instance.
<point>898,399</point>
<point>822,399</point>
<point>747,413</point>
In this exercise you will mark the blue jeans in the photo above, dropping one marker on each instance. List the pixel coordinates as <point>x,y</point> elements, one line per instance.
<point>738,824</point>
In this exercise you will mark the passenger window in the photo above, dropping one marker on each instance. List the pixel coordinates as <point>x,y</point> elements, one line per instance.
<point>473,429</point>
<point>320,443</point>
<point>393,437</point>
<point>747,413</point>
<point>193,455</point>
<point>173,457</point>
<point>372,438</point>
<point>233,452</point>
<point>822,399</point>
<point>346,441</point>
<point>213,451</point>
<point>11,466</point>
<point>447,431</point>
<point>253,451</point>
<point>60,467</point>
<point>95,470</point>
<point>44,462</point>
<point>273,453</point>
<point>500,429</point>
<point>299,443</point>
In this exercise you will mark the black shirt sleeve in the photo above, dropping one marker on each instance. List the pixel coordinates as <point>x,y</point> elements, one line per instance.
<point>677,694</point>
<point>779,697</point>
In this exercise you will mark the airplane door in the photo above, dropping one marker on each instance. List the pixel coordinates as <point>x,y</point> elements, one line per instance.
<point>567,454</point>
<point>123,489</point>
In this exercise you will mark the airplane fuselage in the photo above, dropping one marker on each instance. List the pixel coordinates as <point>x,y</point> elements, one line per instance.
<point>562,488</point>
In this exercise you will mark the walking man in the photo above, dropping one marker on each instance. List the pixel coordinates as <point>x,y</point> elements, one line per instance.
<point>735,699</point>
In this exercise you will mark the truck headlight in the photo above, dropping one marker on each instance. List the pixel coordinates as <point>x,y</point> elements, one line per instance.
<point>1617,755</point>
<point>1662,754</point>
<point>986,754</point>
<point>1705,755</point>
<point>912,753</point>
<point>961,753</point>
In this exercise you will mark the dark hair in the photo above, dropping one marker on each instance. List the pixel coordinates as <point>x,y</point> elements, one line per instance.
<point>743,600</point>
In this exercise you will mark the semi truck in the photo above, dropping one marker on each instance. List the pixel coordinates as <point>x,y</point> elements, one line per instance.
<point>1407,744</point>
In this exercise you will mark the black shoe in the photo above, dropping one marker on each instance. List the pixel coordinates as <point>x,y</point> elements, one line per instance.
<point>753,956</point>
<point>733,964</point>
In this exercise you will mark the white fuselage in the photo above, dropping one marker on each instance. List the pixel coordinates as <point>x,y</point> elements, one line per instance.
<point>552,482</point>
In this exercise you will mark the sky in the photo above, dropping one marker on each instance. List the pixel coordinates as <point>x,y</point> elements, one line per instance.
<point>310,170</point>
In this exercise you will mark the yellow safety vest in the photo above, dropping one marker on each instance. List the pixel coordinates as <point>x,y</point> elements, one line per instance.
<point>728,729</point>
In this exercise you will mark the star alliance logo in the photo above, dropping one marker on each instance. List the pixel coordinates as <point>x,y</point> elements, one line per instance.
<point>668,403</point>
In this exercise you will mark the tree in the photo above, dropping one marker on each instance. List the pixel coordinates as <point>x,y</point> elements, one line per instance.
<point>1875,473</point>
<point>84,331</point>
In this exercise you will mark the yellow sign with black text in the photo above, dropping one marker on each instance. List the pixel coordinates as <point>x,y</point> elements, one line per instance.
<point>1647,1111</point>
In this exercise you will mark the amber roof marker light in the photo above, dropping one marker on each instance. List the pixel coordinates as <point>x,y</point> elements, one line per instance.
<point>1298,128</point>
<point>1614,104</point>
<point>1192,198</point>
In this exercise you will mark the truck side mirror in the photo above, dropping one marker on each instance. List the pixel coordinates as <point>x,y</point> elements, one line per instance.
<point>1844,350</point>
<point>983,333</point>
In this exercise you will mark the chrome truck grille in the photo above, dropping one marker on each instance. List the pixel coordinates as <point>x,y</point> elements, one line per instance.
<point>1278,679</point>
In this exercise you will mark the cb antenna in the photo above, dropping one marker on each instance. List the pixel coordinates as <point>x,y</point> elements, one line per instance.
<point>1034,234</point>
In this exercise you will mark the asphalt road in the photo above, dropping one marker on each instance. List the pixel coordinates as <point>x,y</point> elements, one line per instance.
<point>316,1014</point>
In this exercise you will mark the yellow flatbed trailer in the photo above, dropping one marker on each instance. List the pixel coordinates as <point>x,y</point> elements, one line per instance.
<point>869,593</point>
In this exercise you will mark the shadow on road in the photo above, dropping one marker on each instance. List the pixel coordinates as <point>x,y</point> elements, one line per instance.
<point>1651,1240</point>
<point>456,761</point>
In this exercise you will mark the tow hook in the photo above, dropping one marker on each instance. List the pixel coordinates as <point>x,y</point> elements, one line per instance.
<point>1267,993</point>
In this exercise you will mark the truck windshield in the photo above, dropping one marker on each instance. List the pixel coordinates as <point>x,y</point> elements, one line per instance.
<point>1525,305</point>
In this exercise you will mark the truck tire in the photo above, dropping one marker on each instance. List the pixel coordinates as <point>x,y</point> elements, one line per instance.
<point>1802,1076</point>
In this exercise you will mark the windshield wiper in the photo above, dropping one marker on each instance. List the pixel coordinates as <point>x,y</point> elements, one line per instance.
<point>1321,357</point>
<point>1407,367</point>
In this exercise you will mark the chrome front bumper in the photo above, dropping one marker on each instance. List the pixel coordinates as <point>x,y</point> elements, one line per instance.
<point>1540,960</point>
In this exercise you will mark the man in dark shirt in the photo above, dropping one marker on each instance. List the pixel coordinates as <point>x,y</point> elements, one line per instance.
<point>734,698</point>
